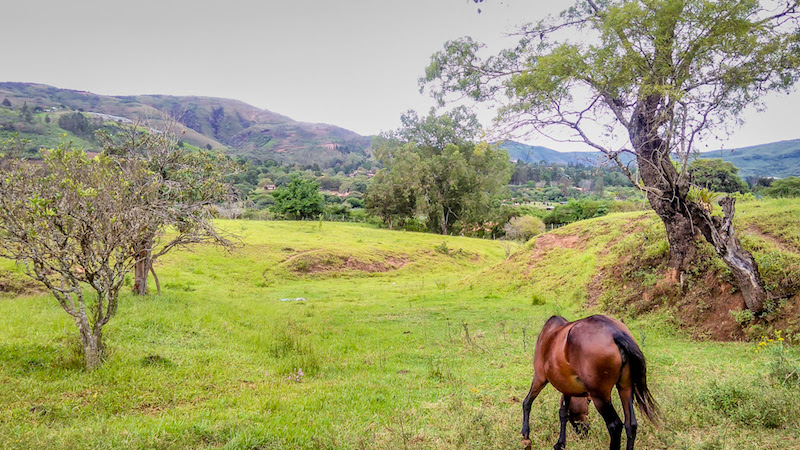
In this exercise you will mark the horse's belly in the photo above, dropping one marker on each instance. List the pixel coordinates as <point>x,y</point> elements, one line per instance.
<point>569,385</point>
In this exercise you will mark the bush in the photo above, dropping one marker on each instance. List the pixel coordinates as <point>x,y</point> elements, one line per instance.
<point>787,187</point>
<point>578,210</point>
<point>523,228</point>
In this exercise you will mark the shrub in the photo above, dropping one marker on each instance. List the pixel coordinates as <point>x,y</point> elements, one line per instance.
<point>523,228</point>
<point>787,187</point>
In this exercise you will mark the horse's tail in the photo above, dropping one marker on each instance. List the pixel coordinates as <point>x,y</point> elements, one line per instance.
<point>634,357</point>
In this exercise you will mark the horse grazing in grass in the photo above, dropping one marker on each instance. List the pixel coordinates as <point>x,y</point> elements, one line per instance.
<point>587,358</point>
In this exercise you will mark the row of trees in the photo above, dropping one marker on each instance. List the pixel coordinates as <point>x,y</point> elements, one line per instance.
<point>80,224</point>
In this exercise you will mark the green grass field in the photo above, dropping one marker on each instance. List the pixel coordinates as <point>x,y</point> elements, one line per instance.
<point>404,340</point>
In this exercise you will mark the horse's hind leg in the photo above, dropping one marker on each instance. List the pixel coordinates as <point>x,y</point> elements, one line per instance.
<point>538,383</point>
<point>626,396</point>
<point>563,416</point>
<point>613,423</point>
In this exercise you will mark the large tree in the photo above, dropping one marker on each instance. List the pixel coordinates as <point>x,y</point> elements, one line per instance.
<point>646,77</point>
<point>716,175</point>
<point>435,158</point>
<point>300,199</point>
<point>390,197</point>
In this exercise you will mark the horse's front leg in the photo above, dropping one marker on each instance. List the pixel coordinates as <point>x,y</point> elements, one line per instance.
<point>538,383</point>
<point>563,416</point>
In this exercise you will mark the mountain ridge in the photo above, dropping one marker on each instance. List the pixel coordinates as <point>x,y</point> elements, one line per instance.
<point>234,126</point>
<point>257,134</point>
<point>775,159</point>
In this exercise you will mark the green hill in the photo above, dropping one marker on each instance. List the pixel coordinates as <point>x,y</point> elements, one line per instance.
<point>230,125</point>
<point>777,159</point>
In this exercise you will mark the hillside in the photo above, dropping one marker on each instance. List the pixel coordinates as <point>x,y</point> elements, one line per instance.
<point>618,263</point>
<point>776,159</point>
<point>230,125</point>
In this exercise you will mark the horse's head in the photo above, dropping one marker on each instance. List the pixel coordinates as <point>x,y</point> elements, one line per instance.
<point>579,415</point>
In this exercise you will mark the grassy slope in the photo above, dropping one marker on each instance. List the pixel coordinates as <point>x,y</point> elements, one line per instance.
<point>435,354</point>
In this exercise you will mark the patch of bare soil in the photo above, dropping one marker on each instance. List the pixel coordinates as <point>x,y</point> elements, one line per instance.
<point>14,284</point>
<point>707,309</point>
<point>320,261</point>
<point>702,303</point>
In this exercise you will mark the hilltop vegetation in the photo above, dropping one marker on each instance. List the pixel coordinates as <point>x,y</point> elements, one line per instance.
<point>321,335</point>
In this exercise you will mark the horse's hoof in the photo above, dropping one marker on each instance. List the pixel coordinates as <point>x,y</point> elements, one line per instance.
<point>527,444</point>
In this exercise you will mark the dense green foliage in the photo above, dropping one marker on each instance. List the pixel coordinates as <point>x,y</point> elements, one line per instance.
<point>300,199</point>
<point>77,124</point>
<point>787,187</point>
<point>455,181</point>
<point>523,228</point>
<point>390,198</point>
<point>716,175</point>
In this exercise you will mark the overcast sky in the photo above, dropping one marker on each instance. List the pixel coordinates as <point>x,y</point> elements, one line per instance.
<point>351,63</point>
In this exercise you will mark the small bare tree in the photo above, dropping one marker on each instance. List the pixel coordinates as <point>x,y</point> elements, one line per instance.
<point>72,221</point>
<point>79,223</point>
<point>186,184</point>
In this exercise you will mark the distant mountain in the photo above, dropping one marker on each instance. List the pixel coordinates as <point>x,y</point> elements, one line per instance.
<point>777,159</point>
<point>518,151</point>
<point>230,125</point>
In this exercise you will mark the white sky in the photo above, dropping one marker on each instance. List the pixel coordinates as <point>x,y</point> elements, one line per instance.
<point>351,63</point>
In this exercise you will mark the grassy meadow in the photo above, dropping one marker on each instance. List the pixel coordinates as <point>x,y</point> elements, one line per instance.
<point>402,340</point>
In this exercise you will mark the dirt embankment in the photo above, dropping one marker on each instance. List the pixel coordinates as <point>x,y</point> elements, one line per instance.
<point>632,278</point>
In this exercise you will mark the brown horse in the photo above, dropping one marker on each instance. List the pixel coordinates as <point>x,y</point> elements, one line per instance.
<point>587,358</point>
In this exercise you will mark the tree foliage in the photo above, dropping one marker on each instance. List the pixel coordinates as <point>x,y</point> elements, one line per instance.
<point>786,187</point>
<point>187,185</point>
<point>389,198</point>
<point>435,159</point>
<point>650,78</point>
<point>523,228</point>
<point>72,221</point>
<point>300,199</point>
<point>79,223</point>
<point>77,124</point>
<point>716,175</point>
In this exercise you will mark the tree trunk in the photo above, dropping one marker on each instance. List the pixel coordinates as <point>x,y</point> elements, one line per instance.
<point>140,271</point>
<point>719,232</point>
<point>142,267</point>
<point>155,278</point>
<point>91,341</point>
<point>667,193</point>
